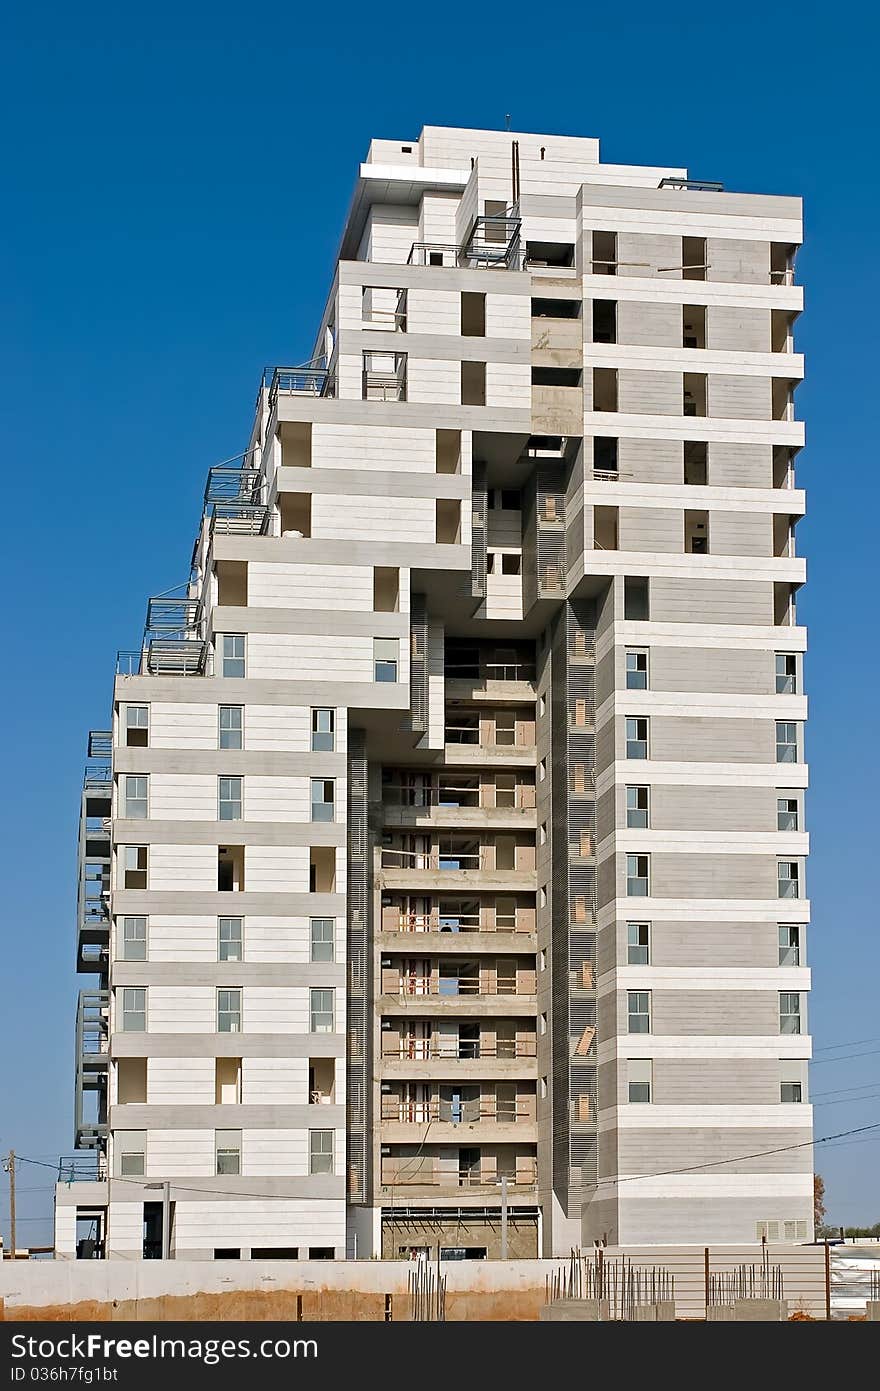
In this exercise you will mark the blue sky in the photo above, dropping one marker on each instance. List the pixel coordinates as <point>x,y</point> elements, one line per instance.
<point>174,189</point>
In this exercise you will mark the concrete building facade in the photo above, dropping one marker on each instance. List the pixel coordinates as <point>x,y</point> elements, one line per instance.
<point>442,873</point>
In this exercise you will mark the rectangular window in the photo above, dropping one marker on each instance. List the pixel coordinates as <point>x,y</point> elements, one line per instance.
<point>638,944</point>
<point>638,1010</point>
<point>604,321</point>
<point>137,726</point>
<point>786,673</point>
<point>229,1011</point>
<point>134,1009</point>
<point>320,1151</point>
<point>385,658</point>
<point>473,314</point>
<point>693,258</point>
<point>788,875</point>
<point>636,598</point>
<point>232,654</point>
<point>604,389</point>
<point>134,939</point>
<point>636,736</point>
<point>131,1153</point>
<point>227,1149</point>
<point>605,456</point>
<point>229,939</point>
<point>227,1081</point>
<point>323,731</point>
<point>789,1012</point>
<point>637,808</point>
<point>133,866</point>
<point>789,944</point>
<point>230,727</point>
<point>229,798</point>
<point>639,1076</point>
<point>321,1010</point>
<point>786,814</point>
<point>636,669</point>
<point>638,876</point>
<point>323,939</point>
<point>135,793</point>
<point>323,799</point>
<point>786,742</point>
<point>792,1081</point>
<point>604,253</point>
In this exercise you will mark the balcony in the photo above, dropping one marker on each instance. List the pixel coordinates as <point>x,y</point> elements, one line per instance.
<point>492,244</point>
<point>384,377</point>
<point>459,863</point>
<point>92,1062</point>
<point>234,502</point>
<point>429,1176</point>
<point>414,799</point>
<point>511,928</point>
<point>489,680</point>
<point>426,1051</point>
<point>93,856</point>
<point>484,1119</point>
<point>311,379</point>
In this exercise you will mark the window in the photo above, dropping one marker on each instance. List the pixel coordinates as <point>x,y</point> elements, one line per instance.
<point>231,723</point>
<point>229,1011</point>
<point>133,866</point>
<point>637,808</point>
<point>230,868</point>
<point>638,944</point>
<point>637,876</point>
<point>792,1081</point>
<point>230,799</point>
<point>323,799</point>
<point>320,1151</point>
<point>135,793</point>
<point>696,533</point>
<point>786,673</point>
<point>321,1010</point>
<point>789,1012</point>
<point>505,500</point>
<point>604,253</point>
<point>636,670</point>
<point>696,463</point>
<point>694,393</point>
<point>134,1009</point>
<point>323,731</point>
<point>636,598</point>
<point>323,939</point>
<point>636,736</point>
<point>788,874</point>
<point>227,1081</point>
<point>232,660</point>
<point>638,1010</point>
<point>604,389</point>
<point>693,325</point>
<point>604,321</point>
<point>786,742</point>
<point>229,939</point>
<point>473,383</point>
<point>605,455</point>
<point>639,1076</point>
<point>786,814</point>
<point>385,658</point>
<point>789,944</point>
<point>473,314</point>
<point>137,726</point>
<point>227,1149</point>
<point>134,939</point>
<point>693,258</point>
<point>131,1153</point>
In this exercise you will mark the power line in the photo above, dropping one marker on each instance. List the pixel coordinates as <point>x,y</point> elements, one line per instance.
<point>625,1178</point>
<point>849,1043</point>
<point>868,1053</point>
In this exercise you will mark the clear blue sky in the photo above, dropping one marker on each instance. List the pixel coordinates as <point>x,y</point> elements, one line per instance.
<point>174,183</point>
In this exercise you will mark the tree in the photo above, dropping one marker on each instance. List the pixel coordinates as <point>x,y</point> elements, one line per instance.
<point>818,1202</point>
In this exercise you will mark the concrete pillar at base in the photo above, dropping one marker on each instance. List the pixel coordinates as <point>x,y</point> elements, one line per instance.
<point>576,1311</point>
<point>749,1311</point>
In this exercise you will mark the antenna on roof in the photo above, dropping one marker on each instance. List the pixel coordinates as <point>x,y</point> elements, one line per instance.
<point>507,121</point>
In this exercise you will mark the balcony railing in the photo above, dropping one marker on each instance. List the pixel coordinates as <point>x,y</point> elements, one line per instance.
<point>432,253</point>
<point>424,1050</point>
<point>429,859</point>
<point>384,386</point>
<point>463,1178</point>
<point>167,657</point>
<point>405,1112</point>
<point>490,671</point>
<point>438,921</point>
<point>457,988</point>
<point>308,380</point>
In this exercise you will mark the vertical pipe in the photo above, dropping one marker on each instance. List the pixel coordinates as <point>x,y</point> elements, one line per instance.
<point>827,1281</point>
<point>706,1278</point>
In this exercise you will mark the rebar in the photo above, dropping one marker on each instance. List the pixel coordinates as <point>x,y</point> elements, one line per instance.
<point>617,1282</point>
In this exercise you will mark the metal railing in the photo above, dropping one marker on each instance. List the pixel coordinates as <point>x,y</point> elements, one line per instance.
<point>453,988</point>
<point>98,776</point>
<point>242,485</point>
<point>696,185</point>
<point>394,858</point>
<point>405,1112</point>
<point>495,241</point>
<point>464,1178</point>
<point>238,519</point>
<point>171,613</point>
<point>430,253</point>
<point>100,743</point>
<point>308,380</point>
<point>783,276</point>
<point>490,671</point>
<point>438,921</point>
<point>383,386</point>
<point>426,1050</point>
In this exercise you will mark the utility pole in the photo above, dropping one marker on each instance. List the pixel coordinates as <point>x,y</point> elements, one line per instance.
<point>9,1166</point>
<point>166,1221</point>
